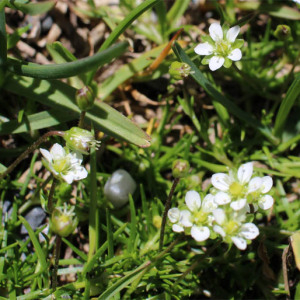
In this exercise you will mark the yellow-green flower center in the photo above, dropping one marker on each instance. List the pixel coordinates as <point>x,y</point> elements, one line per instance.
<point>231,227</point>
<point>235,189</point>
<point>199,217</point>
<point>222,48</point>
<point>61,165</point>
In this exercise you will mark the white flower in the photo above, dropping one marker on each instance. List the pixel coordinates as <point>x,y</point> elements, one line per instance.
<point>233,187</point>
<point>221,47</point>
<point>232,228</point>
<point>64,165</point>
<point>174,217</point>
<point>118,187</point>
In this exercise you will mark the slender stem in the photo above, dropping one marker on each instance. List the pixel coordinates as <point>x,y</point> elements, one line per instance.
<point>81,119</point>
<point>196,263</point>
<point>285,271</point>
<point>50,197</point>
<point>167,207</point>
<point>56,260</point>
<point>29,150</point>
<point>3,46</point>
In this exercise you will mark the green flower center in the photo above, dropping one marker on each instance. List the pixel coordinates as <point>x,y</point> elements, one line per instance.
<point>222,48</point>
<point>231,227</point>
<point>61,165</point>
<point>199,217</point>
<point>235,189</point>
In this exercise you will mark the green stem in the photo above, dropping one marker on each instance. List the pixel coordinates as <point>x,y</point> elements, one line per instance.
<point>50,198</point>
<point>196,263</point>
<point>167,207</point>
<point>30,150</point>
<point>81,119</point>
<point>3,44</point>
<point>56,261</point>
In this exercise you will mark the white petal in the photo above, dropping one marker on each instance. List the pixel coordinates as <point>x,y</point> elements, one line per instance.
<point>254,184</point>
<point>185,218</point>
<point>238,205</point>
<point>46,154</point>
<point>57,151</point>
<point>215,31</point>
<point>177,228</point>
<point>218,229</point>
<point>221,181</point>
<point>200,233</point>
<point>222,198</point>
<point>232,33</point>
<point>219,215</point>
<point>209,203</point>
<point>174,214</point>
<point>267,183</point>
<point>216,62</point>
<point>245,172</point>
<point>204,49</point>
<point>239,242</point>
<point>192,200</point>
<point>235,55</point>
<point>266,202</point>
<point>80,173</point>
<point>68,178</point>
<point>249,231</point>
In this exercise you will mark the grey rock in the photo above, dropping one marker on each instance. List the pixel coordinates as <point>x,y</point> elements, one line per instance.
<point>34,217</point>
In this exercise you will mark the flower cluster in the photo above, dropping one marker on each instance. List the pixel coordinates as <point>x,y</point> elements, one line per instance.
<point>227,210</point>
<point>220,47</point>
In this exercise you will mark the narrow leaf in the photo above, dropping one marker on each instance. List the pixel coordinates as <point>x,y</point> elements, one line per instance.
<point>295,240</point>
<point>32,8</point>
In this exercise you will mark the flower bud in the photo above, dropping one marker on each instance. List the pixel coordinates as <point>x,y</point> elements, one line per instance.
<point>85,98</point>
<point>179,70</point>
<point>157,221</point>
<point>282,32</point>
<point>63,221</point>
<point>80,140</point>
<point>180,168</point>
<point>118,187</point>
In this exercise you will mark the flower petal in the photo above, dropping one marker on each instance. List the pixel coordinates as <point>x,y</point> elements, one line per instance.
<point>216,62</point>
<point>239,242</point>
<point>218,229</point>
<point>266,202</point>
<point>245,172</point>
<point>174,214</point>
<point>267,183</point>
<point>232,33</point>
<point>215,31</point>
<point>222,198</point>
<point>68,178</point>
<point>209,204</point>
<point>57,151</point>
<point>235,55</point>
<point>254,184</point>
<point>177,228</point>
<point>249,231</point>
<point>239,204</point>
<point>204,49</point>
<point>47,155</point>
<point>219,215</point>
<point>221,181</point>
<point>193,200</point>
<point>185,218</point>
<point>200,233</point>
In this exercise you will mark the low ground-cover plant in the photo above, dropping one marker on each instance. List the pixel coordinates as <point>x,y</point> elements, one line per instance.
<point>199,200</point>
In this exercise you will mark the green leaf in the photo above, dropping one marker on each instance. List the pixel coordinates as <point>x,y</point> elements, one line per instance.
<point>36,244</point>
<point>13,38</point>
<point>295,241</point>
<point>217,96</point>
<point>286,105</point>
<point>177,11</point>
<point>32,8</point>
<point>66,69</point>
<point>239,43</point>
<point>60,96</point>
<point>208,39</point>
<point>227,63</point>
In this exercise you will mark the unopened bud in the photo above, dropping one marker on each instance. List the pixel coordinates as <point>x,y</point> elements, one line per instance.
<point>180,168</point>
<point>282,32</point>
<point>63,221</point>
<point>157,221</point>
<point>85,98</point>
<point>80,140</point>
<point>118,187</point>
<point>179,70</point>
